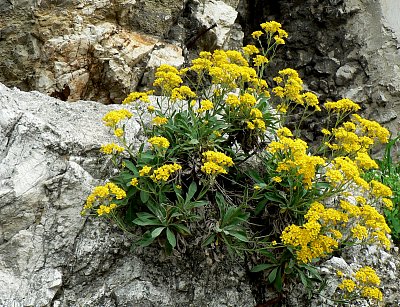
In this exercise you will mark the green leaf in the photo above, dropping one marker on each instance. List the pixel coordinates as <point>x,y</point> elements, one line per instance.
<point>278,280</point>
<point>239,235</point>
<point>191,191</point>
<point>131,167</point>
<point>262,267</point>
<point>171,238</point>
<point>144,196</point>
<point>260,207</point>
<point>182,229</point>
<point>209,240</point>
<point>146,240</point>
<point>146,222</point>
<point>272,275</point>
<point>156,232</point>
<point>194,142</point>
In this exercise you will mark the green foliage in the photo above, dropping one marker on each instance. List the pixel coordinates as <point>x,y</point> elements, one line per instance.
<point>389,174</point>
<point>220,165</point>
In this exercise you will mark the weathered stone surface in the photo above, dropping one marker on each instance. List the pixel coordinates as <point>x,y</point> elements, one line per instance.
<point>99,50</point>
<point>49,254</point>
<point>221,17</point>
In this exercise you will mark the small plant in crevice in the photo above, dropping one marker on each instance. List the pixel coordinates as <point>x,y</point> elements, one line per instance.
<point>219,164</point>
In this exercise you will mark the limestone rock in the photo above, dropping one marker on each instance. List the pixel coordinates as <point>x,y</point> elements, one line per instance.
<point>345,74</point>
<point>49,254</point>
<point>220,17</point>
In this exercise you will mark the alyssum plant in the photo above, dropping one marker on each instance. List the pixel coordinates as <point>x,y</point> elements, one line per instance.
<point>220,164</point>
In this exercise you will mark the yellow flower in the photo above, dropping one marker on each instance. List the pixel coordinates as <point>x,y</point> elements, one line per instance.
<point>112,118</point>
<point>256,187</point>
<point>260,60</point>
<point>134,182</point>
<point>347,285</point>
<point>118,132</point>
<point>279,40</point>
<point>325,131</point>
<point>250,50</point>
<point>388,203</point>
<point>250,125</point>
<point>232,100</point>
<point>256,34</point>
<point>111,148</point>
<point>277,179</point>
<point>145,170</point>
<point>283,132</point>
<point>342,106</point>
<point>158,121</point>
<point>137,96</point>
<point>367,275</point>
<point>151,109</point>
<point>182,93</point>
<point>206,105</point>
<point>159,141</point>
<point>164,172</point>
<point>380,190</point>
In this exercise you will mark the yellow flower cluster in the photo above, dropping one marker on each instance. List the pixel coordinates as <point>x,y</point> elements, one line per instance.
<point>250,50</point>
<point>134,96</point>
<point>111,148</point>
<point>290,86</point>
<point>182,93</point>
<point>159,141</point>
<point>342,106</point>
<point>145,170</point>
<point>112,118</point>
<point>350,138</point>
<point>164,172</point>
<point>206,105</point>
<point>104,193</point>
<point>167,78</point>
<point>158,120</point>
<point>270,28</point>
<point>295,158</point>
<point>329,224</point>
<point>215,163</point>
<point>309,240</point>
<point>372,129</point>
<point>364,282</point>
<point>102,210</point>
<point>343,170</point>
<point>260,60</point>
<point>226,68</point>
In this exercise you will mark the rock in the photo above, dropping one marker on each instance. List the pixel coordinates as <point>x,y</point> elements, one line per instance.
<point>345,74</point>
<point>220,17</point>
<point>49,254</point>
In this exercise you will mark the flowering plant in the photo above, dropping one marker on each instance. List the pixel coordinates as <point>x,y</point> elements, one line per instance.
<point>221,164</point>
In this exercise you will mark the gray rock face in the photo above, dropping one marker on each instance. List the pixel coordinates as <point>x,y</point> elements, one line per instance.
<point>340,47</point>
<point>49,254</point>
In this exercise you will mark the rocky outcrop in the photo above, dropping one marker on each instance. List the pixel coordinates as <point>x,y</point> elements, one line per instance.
<point>103,50</point>
<point>49,254</point>
<point>346,48</point>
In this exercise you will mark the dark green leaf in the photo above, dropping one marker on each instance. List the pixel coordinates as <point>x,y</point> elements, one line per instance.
<point>272,275</point>
<point>191,191</point>
<point>131,167</point>
<point>262,267</point>
<point>209,240</point>
<point>156,232</point>
<point>239,235</point>
<point>144,196</point>
<point>182,229</point>
<point>171,238</point>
